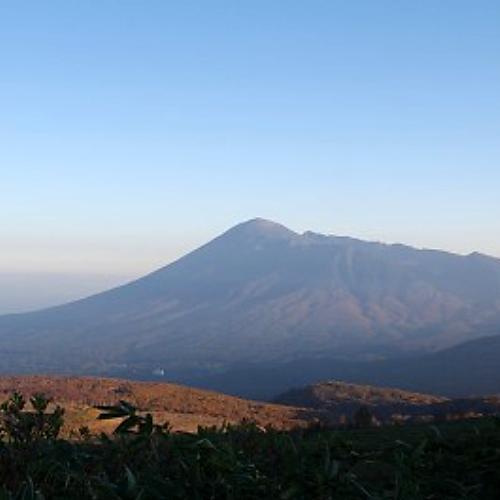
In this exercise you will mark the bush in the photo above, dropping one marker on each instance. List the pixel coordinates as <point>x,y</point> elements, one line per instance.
<point>143,460</point>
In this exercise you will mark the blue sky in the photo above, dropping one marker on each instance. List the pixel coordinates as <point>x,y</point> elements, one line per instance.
<point>133,131</point>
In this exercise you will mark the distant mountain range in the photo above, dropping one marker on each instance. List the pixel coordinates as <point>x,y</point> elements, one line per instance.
<point>262,295</point>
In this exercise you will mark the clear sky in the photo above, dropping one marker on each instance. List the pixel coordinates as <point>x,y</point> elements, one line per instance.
<point>133,131</point>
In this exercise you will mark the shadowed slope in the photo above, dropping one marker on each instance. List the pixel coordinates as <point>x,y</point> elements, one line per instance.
<point>469,369</point>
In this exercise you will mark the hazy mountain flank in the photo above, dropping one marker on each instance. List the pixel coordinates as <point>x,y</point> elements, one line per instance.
<point>469,369</point>
<point>261,293</point>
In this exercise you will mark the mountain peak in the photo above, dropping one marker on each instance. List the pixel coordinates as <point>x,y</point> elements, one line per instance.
<point>259,227</point>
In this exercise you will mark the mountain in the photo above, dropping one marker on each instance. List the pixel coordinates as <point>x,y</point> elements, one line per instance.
<point>184,408</point>
<point>344,397</point>
<point>338,400</point>
<point>261,293</point>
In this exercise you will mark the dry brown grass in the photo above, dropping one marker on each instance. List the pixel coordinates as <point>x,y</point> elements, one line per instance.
<point>183,407</point>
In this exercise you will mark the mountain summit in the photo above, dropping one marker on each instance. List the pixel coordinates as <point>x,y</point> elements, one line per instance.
<point>263,293</point>
<point>262,228</point>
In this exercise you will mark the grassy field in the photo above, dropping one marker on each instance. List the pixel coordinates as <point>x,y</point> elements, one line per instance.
<point>454,460</point>
<point>185,408</point>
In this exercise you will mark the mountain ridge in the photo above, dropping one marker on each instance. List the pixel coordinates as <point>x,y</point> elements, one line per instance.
<point>259,226</point>
<point>341,401</point>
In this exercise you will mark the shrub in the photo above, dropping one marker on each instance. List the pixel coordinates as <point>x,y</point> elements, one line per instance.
<point>143,460</point>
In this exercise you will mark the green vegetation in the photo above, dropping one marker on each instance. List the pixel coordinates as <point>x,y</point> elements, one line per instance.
<point>143,460</point>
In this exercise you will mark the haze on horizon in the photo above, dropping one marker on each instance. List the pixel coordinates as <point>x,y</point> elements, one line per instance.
<point>132,134</point>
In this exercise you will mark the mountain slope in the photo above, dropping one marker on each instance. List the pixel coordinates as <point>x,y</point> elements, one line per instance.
<point>341,396</point>
<point>469,369</point>
<point>340,399</point>
<point>263,293</point>
<point>184,408</point>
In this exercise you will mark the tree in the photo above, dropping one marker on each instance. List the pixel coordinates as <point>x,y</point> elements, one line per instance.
<point>363,417</point>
